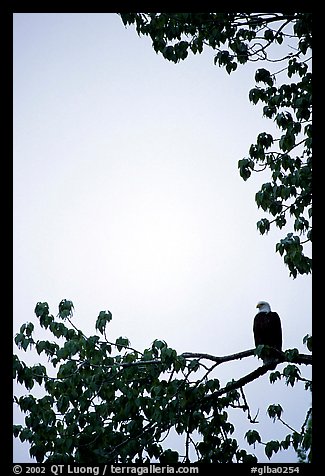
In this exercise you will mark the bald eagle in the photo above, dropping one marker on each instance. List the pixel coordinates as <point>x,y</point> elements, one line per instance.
<point>267,330</point>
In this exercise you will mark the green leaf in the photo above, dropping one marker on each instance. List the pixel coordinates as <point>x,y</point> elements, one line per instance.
<point>16,430</point>
<point>265,140</point>
<point>231,66</point>
<point>103,319</point>
<point>19,338</point>
<point>291,373</point>
<point>244,166</point>
<point>27,328</point>
<point>25,435</point>
<point>263,75</point>
<point>269,35</point>
<point>159,344</point>
<point>252,436</point>
<point>38,451</point>
<point>275,411</point>
<point>263,225</point>
<point>272,447</point>
<point>63,403</point>
<point>65,309</point>
<point>169,457</point>
<point>246,458</point>
<point>168,355</point>
<point>286,442</point>
<point>284,119</point>
<point>39,373</point>
<point>275,376</point>
<point>222,57</point>
<point>58,328</point>
<point>296,439</point>
<point>180,363</point>
<point>62,353</point>
<point>287,141</point>
<point>168,53</point>
<point>213,384</point>
<point>17,366</point>
<point>23,342</point>
<point>41,309</point>
<point>291,354</point>
<point>121,342</point>
<point>280,223</point>
<point>67,369</point>
<point>27,403</point>
<point>307,340</point>
<point>255,95</point>
<point>194,365</point>
<point>41,345</point>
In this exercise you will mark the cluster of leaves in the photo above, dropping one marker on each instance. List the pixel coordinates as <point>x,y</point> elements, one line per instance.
<point>238,38</point>
<point>110,402</point>
<point>301,440</point>
<point>290,189</point>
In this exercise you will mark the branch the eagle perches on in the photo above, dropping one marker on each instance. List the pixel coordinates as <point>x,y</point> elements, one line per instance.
<point>299,359</point>
<point>263,369</point>
<point>236,384</point>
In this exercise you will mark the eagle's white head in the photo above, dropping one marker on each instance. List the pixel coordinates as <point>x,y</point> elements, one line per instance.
<point>263,306</point>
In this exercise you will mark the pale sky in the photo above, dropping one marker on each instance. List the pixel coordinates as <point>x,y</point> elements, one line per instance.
<point>127,197</point>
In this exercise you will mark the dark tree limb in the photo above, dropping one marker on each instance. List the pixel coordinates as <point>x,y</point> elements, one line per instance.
<point>241,382</point>
<point>236,384</point>
<point>219,360</point>
<point>299,359</point>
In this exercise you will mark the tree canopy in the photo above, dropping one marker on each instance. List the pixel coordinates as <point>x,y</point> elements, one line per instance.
<point>283,42</point>
<point>105,401</point>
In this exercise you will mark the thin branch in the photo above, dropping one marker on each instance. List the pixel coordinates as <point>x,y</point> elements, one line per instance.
<point>246,408</point>
<point>236,384</point>
<point>187,441</point>
<point>239,383</point>
<point>164,437</point>
<point>306,420</point>
<point>124,346</point>
<point>302,379</point>
<point>263,167</point>
<point>305,241</point>
<point>300,359</point>
<point>286,424</point>
<point>219,360</point>
<point>284,69</point>
<point>206,374</point>
<point>263,47</point>
<point>195,447</point>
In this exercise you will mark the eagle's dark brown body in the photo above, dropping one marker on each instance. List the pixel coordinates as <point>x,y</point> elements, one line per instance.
<point>267,331</point>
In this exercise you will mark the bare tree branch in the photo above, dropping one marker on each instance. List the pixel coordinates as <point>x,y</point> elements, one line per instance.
<point>299,359</point>
<point>234,385</point>
<point>219,360</point>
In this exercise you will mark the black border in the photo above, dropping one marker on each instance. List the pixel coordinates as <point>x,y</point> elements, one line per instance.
<point>7,10</point>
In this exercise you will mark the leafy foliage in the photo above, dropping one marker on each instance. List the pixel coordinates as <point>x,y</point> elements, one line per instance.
<point>238,38</point>
<point>106,401</point>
